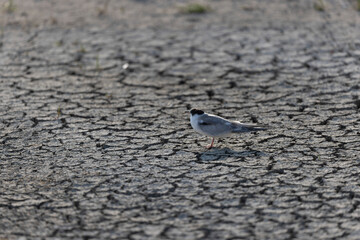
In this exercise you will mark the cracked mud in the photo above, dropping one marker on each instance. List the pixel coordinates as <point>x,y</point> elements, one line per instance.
<point>95,142</point>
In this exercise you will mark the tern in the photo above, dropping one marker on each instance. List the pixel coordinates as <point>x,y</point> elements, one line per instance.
<point>216,127</point>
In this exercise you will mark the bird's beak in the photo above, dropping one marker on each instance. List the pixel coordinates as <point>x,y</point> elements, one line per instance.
<point>187,111</point>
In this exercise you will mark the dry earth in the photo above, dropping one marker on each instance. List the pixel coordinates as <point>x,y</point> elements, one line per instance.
<point>95,144</point>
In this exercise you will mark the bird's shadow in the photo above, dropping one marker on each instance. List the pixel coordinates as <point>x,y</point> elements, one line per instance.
<point>224,153</point>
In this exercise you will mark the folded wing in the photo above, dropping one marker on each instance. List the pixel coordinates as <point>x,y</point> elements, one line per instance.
<point>215,126</point>
<point>240,127</point>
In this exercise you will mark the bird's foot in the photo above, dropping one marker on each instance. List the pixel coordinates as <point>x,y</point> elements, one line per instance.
<point>210,145</point>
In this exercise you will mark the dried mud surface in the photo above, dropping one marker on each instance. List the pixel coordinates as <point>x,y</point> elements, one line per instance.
<point>94,141</point>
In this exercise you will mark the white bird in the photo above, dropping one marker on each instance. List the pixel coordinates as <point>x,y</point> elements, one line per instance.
<point>215,126</point>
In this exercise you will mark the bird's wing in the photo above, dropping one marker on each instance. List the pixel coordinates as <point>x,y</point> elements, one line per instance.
<point>215,126</point>
<point>241,127</point>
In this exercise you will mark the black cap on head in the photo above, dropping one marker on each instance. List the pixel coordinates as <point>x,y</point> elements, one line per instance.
<point>196,111</point>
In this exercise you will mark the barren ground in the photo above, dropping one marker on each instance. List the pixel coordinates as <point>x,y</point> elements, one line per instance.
<point>94,142</point>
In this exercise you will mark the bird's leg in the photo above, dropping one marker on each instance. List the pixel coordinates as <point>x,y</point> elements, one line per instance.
<point>211,145</point>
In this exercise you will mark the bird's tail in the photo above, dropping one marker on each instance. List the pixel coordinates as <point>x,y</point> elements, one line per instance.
<point>248,128</point>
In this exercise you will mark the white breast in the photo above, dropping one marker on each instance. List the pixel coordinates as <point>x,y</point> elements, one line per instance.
<point>194,121</point>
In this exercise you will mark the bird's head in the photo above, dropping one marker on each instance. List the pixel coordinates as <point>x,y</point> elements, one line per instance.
<point>196,111</point>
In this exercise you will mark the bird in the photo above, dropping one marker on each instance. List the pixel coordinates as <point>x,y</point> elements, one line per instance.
<point>216,127</point>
